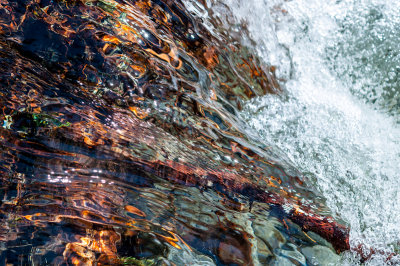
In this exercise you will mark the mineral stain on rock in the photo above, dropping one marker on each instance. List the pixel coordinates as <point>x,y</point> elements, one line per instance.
<point>120,143</point>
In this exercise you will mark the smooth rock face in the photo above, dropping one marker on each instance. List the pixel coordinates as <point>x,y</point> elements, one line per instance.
<point>291,252</point>
<point>263,252</point>
<point>185,257</point>
<point>320,241</point>
<point>269,234</point>
<point>320,255</point>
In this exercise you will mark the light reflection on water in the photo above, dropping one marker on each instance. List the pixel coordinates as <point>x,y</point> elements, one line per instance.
<point>339,120</point>
<point>121,144</point>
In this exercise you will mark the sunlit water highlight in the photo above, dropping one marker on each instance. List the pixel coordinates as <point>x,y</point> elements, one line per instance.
<point>122,143</point>
<point>338,120</point>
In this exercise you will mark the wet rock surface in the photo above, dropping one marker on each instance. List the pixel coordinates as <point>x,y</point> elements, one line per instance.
<point>120,143</point>
<point>320,255</point>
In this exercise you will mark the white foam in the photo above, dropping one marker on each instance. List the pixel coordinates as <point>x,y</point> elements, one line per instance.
<point>346,146</point>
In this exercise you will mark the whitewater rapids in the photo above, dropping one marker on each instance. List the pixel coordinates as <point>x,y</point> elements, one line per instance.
<point>338,120</point>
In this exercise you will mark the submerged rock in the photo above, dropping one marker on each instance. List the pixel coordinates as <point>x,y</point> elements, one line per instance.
<point>320,255</point>
<point>269,235</point>
<point>120,142</point>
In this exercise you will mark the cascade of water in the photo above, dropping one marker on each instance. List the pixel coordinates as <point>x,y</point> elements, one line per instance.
<point>124,140</point>
<point>337,121</point>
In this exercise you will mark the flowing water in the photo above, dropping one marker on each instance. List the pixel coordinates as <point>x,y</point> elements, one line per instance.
<point>339,121</point>
<point>198,132</point>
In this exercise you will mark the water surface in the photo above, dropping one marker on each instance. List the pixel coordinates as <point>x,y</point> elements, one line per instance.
<point>121,142</point>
